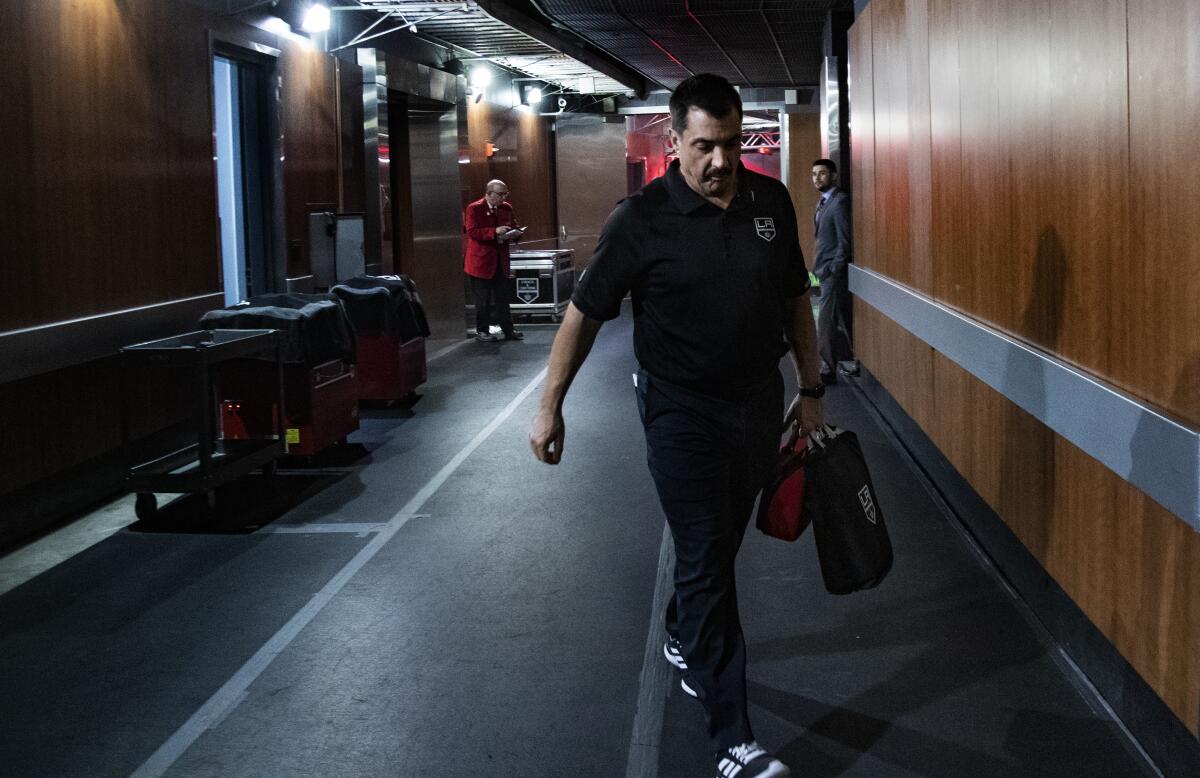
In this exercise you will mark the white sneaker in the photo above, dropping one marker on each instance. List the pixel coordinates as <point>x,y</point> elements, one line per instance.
<point>673,651</point>
<point>749,761</point>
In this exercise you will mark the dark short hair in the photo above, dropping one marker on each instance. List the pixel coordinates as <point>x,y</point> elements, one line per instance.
<point>829,163</point>
<point>706,91</point>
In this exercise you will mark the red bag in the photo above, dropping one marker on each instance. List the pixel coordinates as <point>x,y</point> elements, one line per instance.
<point>781,507</point>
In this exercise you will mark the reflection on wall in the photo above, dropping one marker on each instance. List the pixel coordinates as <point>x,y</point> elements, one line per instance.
<point>590,152</point>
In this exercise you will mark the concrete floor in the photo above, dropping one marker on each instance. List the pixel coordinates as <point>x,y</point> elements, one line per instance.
<point>430,600</point>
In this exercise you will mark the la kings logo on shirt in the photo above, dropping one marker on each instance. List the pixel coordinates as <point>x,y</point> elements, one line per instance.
<point>765,227</point>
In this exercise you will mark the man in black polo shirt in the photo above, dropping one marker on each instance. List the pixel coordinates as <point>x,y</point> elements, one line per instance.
<point>710,254</point>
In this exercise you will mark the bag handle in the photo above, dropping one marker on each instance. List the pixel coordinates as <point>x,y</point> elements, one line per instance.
<point>822,435</point>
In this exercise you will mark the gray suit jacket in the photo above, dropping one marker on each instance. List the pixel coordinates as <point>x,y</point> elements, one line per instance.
<point>833,247</point>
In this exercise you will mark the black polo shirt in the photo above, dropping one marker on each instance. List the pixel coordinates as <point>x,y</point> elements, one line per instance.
<point>709,285</point>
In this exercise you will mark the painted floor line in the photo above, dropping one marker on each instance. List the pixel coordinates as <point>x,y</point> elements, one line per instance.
<point>446,350</point>
<point>656,675</point>
<point>232,692</point>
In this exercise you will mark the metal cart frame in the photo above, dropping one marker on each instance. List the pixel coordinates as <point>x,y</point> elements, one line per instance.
<point>211,461</point>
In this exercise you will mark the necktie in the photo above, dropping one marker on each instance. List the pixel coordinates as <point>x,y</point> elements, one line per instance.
<point>817,216</point>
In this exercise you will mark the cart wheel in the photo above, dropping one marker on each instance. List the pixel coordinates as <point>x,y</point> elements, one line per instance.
<point>211,498</point>
<point>145,506</point>
<point>554,317</point>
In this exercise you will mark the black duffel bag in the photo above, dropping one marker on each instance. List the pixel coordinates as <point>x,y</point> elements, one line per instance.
<point>852,542</point>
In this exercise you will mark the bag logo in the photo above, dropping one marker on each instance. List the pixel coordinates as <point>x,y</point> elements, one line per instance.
<point>868,505</point>
<point>765,227</point>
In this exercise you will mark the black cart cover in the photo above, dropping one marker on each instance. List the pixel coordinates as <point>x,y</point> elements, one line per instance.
<point>372,311</point>
<point>315,327</point>
<point>409,310</point>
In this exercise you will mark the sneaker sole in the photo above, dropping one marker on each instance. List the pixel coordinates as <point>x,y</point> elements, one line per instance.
<point>775,769</point>
<point>677,662</point>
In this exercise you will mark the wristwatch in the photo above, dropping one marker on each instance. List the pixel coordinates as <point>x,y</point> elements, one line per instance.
<point>815,392</point>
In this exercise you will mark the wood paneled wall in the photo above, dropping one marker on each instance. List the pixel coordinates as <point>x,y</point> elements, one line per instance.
<point>524,159</point>
<point>310,139</point>
<point>1029,164</point>
<point>804,146</point>
<point>108,188</point>
<point>109,192</point>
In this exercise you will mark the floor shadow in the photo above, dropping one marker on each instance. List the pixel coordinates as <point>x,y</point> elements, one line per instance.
<point>242,507</point>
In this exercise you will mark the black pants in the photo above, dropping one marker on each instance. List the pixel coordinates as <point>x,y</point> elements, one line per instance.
<point>709,458</point>
<point>492,295</point>
<point>834,328</point>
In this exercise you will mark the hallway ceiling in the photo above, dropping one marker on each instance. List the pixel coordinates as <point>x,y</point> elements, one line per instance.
<point>753,43</point>
<point>475,34</point>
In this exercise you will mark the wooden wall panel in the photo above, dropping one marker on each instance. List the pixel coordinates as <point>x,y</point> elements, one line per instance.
<point>920,184</point>
<point>1031,262</point>
<point>904,363</point>
<point>353,185</point>
<point>804,146</point>
<point>948,222</point>
<point>524,159</point>
<point>1061,196</point>
<point>110,195</point>
<point>862,139</point>
<point>310,139</point>
<point>1131,566</point>
<point>892,215</point>
<point>108,168</point>
<point>1157,354</point>
<point>1089,172</point>
<point>970,274</point>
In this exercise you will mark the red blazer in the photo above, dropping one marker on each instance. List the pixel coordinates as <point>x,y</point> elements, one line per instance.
<point>483,251</point>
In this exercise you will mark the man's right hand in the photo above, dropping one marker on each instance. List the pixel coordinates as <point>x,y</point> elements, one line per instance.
<point>546,436</point>
<point>501,231</point>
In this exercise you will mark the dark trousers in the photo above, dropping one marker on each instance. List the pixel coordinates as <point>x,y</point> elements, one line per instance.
<point>834,328</point>
<point>709,458</point>
<point>492,297</point>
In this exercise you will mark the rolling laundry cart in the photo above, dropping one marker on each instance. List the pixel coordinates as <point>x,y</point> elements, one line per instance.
<point>214,459</point>
<point>319,385</point>
<point>390,330</point>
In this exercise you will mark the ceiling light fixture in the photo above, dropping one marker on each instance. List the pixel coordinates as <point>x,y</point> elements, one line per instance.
<point>316,18</point>
<point>481,77</point>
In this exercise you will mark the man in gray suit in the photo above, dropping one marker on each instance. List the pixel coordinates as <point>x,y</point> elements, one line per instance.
<point>833,252</point>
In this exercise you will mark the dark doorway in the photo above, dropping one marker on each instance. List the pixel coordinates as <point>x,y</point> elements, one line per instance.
<point>244,184</point>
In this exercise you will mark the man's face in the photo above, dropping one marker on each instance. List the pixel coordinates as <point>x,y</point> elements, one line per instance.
<point>709,150</point>
<point>495,195</point>
<point>823,178</point>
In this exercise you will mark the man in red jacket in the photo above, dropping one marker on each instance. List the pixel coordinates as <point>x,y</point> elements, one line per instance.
<point>491,228</point>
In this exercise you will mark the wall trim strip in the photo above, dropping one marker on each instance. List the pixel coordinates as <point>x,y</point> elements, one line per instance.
<point>1154,453</point>
<point>48,347</point>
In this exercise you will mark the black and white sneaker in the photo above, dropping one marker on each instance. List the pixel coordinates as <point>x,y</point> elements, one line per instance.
<point>749,761</point>
<point>688,690</point>
<point>673,651</point>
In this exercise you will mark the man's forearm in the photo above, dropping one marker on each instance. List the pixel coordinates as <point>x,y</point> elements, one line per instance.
<point>802,336</point>
<point>571,347</point>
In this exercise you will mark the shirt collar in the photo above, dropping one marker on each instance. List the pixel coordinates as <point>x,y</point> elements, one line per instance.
<point>828,193</point>
<point>688,200</point>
